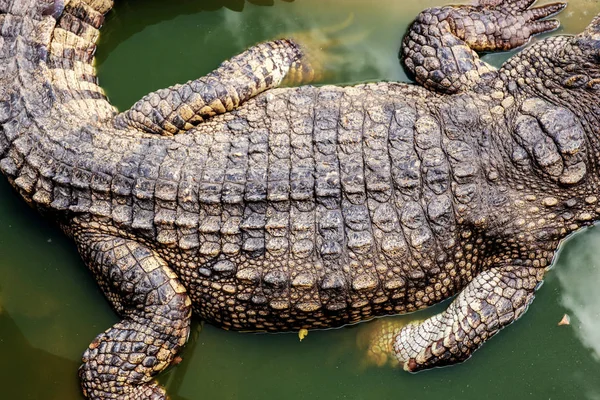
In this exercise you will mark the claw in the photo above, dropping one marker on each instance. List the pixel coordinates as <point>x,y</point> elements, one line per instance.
<point>544,11</point>
<point>319,46</point>
<point>341,26</point>
<point>543,26</point>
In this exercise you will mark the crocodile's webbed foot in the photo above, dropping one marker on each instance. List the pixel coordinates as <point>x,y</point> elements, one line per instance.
<point>319,46</point>
<point>440,48</point>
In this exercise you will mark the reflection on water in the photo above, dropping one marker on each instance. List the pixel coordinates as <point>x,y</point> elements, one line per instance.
<point>580,280</point>
<point>51,307</point>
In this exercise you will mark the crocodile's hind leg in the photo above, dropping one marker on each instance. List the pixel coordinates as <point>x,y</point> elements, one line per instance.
<point>493,300</point>
<point>181,107</point>
<point>156,311</point>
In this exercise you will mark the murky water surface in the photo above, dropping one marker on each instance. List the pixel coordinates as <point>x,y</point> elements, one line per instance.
<point>51,308</point>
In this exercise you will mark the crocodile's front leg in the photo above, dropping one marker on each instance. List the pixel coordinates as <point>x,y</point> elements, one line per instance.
<point>181,107</point>
<point>440,47</point>
<point>156,311</point>
<point>493,300</point>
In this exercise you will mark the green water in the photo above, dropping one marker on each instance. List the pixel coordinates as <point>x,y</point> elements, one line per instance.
<point>50,307</point>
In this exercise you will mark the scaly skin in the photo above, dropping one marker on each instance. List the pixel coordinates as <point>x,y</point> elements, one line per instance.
<point>262,208</point>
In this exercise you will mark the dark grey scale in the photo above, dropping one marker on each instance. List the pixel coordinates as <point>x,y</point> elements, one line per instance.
<point>434,168</point>
<point>279,165</point>
<point>331,239</point>
<point>187,217</point>
<point>188,207</point>
<point>538,145</point>
<point>327,185</point>
<point>8,48</point>
<point>85,13</point>
<point>42,194</point>
<point>333,288</point>
<point>144,188</point>
<point>304,276</point>
<point>406,164</point>
<point>165,193</point>
<point>40,102</point>
<point>358,227</point>
<point>253,229</point>
<point>63,196</point>
<point>209,196</point>
<point>237,164</point>
<point>302,180</point>
<point>209,228</point>
<point>23,144</point>
<point>276,281</point>
<point>277,230</point>
<point>231,240</point>
<point>460,115</point>
<point>258,156</point>
<point>122,188</point>
<point>213,174</point>
<point>100,186</point>
<point>418,236</point>
<point>248,278</point>
<point>378,178</point>
<point>81,28</point>
<point>350,143</point>
<point>375,147</point>
<point>40,160</point>
<point>392,250</point>
<point>436,194</point>
<point>80,182</point>
<point>276,286</point>
<point>14,127</point>
<point>331,236</point>
<point>440,213</point>
<point>461,157</point>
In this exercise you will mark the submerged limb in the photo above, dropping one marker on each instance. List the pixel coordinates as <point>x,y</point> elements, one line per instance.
<point>377,339</point>
<point>441,46</point>
<point>156,311</point>
<point>181,107</point>
<point>321,44</point>
<point>493,300</point>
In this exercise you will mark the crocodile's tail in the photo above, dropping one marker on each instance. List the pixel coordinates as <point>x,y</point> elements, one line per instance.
<point>71,56</point>
<point>47,53</point>
<point>47,83</point>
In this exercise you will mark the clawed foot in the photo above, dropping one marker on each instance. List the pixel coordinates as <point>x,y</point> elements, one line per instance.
<point>377,339</point>
<point>319,46</point>
<point>406,349</point>
<point>514,22</point>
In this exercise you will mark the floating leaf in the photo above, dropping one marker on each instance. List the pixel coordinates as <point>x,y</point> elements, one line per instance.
<point>566,320</point>
<point>302,333</point>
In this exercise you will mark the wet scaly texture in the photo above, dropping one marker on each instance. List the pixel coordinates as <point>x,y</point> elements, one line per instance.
<point>301,208</point>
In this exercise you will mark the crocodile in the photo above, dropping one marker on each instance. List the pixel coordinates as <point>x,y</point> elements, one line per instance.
<point>259,207</point>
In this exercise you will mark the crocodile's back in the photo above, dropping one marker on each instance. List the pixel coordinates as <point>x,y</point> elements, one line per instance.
<point>302,224</point>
